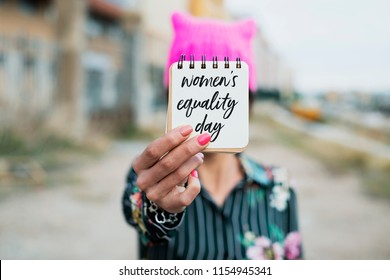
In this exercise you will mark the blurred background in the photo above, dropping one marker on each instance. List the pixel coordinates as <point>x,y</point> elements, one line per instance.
<point>81,94</point>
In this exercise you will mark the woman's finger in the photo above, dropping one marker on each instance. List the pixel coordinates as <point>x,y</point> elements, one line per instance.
<point>161,189</point>
<point>193,189</point>
<point>160,147</point>
<point>180,198</point>
<point>174,159</point>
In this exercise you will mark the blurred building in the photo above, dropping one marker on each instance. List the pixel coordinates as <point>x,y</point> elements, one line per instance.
<point>156,36</point>
<point>208,8</point>
<point>27,58</point>
<point>274,77</point>
<point>74,54</point>
<point>78,60</point>
<point>102,59</point>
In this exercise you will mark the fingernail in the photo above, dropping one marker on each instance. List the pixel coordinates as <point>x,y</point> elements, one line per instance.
<point>186,130</point>
<point>201,155</point>
<point>194,173</point>
<point>203,139</point>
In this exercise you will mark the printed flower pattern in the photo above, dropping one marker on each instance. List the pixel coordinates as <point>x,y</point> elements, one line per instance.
<point>279,198</point>
<point>136,206</point>
<point>280,192</point>
<point>292,245</point>
<point>262,248</point>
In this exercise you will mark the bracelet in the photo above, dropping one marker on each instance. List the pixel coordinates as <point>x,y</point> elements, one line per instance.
<point>160,214</point>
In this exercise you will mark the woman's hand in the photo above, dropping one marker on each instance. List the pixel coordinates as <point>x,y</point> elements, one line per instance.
<point>166,163</point>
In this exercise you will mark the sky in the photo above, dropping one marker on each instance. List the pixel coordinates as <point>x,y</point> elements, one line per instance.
<point>338,45</point>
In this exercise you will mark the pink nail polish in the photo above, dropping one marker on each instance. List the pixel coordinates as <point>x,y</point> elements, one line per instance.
<point>194,173</point>
<point>201,155</point>
<point>186,130</point>
<point>203,139</point>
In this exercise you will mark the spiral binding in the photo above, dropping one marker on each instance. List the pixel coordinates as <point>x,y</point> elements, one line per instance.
<point>238,62</point>
<point>226,62</point>
<point>215,62</point>
<point>203,63</point>
<point>192,63</point>
<point>180,63</point>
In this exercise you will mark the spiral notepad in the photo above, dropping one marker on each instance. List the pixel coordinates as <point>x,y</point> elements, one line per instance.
<point>213,97</point>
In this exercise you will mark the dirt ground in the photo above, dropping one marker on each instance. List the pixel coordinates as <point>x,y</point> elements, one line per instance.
<point>83,219</point>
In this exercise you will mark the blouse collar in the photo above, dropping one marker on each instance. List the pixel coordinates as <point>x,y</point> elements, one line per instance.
<point>255,172</point>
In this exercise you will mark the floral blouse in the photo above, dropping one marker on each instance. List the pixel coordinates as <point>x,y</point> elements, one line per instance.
<point>258,220</point>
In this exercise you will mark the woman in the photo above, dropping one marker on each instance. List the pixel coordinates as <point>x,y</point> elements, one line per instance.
<point>230,207</point>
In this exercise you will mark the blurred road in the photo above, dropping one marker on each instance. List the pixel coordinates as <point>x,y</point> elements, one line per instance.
<point>75,221</point>
<point>84,220</point>
<point>338,220</point>
<point>342,136</point>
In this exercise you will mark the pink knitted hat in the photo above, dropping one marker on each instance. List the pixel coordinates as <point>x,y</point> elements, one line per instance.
<point>210,37</point>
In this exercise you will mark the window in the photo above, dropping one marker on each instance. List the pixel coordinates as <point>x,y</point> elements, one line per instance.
<point>94,86</point>
<point>28,62</point>
<point>114,31</point>
<point>156,79</point>
<point>2,60</point>
<point>28,6</point>
<point>94,28</point>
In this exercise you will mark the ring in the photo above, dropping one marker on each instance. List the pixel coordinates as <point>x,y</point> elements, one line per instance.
<point>182,184</point>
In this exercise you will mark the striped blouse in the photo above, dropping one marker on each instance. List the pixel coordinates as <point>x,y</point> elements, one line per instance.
<point>258,220</point>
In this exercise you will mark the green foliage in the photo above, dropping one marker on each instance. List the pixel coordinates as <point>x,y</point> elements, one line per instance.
<point>11,143</point>
<point>15,144</point>
<point>131,131</point>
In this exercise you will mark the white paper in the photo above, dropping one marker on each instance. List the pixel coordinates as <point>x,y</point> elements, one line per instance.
<point>222,97</point>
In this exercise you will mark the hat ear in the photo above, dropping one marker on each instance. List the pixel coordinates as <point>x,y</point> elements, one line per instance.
<point>179,19</point>
<point>247,28</point>
<point>212,37</point>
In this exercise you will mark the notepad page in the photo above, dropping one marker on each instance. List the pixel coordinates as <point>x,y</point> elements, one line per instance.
<point>212,100</point>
